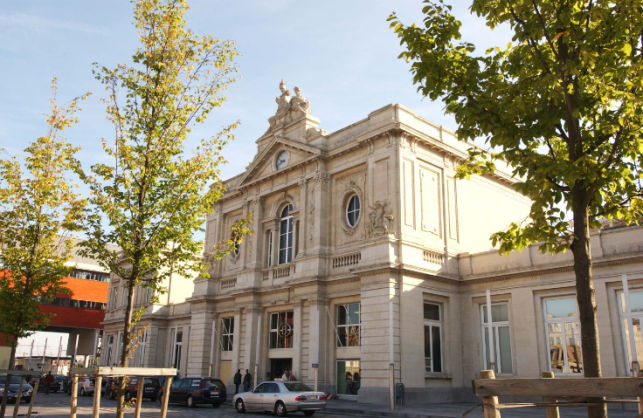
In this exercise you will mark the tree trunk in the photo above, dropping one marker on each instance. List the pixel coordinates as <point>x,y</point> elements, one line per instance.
<point>585,293</point>
<point>120,402</point>
<point>12,364</point>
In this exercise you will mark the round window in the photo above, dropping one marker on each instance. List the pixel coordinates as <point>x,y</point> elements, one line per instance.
<point>352,210</point>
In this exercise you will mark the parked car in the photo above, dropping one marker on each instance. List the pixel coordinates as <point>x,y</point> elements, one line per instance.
<point>14,385</point>
<point>85,386</point>
<point>151,388</point>
<point>55,386</point>
<point>192,391</point>
<point>280,398</point>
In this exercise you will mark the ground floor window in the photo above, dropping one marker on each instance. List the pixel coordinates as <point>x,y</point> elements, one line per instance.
<point>178,347</point>
<point>563,335</point>
<point>635,315</point>
<point>348,377</point>
<point>227,333</point>
<point>432,337</point>
<point>501,337</point>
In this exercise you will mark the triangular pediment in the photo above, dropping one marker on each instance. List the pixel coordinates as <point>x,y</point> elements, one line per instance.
<point>265,163</point>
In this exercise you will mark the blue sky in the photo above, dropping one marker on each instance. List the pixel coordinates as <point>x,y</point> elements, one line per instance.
<point>341,54</point>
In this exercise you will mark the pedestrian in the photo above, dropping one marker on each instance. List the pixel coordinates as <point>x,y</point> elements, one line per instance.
<point>237,381</point>
<point>286,376</point>
<point>247,378</point>
<point>49,381</point>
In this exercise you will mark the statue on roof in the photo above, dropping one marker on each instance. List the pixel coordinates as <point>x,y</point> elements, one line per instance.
<point>299,102</point>
<point>288,108</point>
<point>283,101</point>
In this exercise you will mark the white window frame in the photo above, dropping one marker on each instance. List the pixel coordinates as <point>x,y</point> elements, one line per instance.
<point>177,350</point>
<point>227,330</point>
<point>288,220</point>
<point>433,323</point>
<point>140,350</point>
<point>495,325</point>
<point>348,325</point>
<point>277,330</point>
<point>623,317</point>
<point>562,322</point>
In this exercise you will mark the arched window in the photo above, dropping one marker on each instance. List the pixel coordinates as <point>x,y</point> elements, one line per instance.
<point>285,235</point>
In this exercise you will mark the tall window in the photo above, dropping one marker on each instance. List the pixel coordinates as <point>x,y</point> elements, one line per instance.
<point>269,248</point>
<point>110,345</point>
<point>636,316</point>
<point>348,325</point>
<point>114,300</point>
<point>227,333</point>
<point>140,350</point>
<point>285,235</point>
<point>178,347</point>
<point>563,335</point>
<point>281,330</point>
<point>432,337</point>
<point>501,337</point>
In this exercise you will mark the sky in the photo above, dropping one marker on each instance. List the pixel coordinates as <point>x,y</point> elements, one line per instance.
<point>341,53</point>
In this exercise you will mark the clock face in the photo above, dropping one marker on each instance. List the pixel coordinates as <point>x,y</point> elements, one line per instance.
<point>282,159</point>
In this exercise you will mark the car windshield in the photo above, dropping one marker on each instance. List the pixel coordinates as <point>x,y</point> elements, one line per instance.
<point>297,387</point>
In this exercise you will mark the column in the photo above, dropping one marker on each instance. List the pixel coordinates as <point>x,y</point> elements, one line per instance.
<point>200,340</point>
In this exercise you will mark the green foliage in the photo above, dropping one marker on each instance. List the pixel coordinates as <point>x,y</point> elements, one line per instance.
<point>153,198</point>
<point>38,209</point>
<point>561,103</point>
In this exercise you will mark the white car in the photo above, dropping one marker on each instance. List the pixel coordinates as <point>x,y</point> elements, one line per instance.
<point>280,398</point>
<point>85,386</point>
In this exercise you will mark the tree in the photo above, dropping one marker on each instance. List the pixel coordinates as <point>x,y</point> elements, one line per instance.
<point>154,198</point>
<point>38,209</point>
<point>561,104</point>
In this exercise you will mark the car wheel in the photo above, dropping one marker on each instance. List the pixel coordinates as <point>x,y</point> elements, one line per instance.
<point>239,406</point>
<point>189,402</point>
<point>309,413</point>
<point>280,409</point>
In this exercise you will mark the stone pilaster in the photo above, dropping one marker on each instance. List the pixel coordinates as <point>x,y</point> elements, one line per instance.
<point>200,340</point>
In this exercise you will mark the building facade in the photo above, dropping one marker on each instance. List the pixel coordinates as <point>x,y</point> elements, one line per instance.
<point>367,252</point>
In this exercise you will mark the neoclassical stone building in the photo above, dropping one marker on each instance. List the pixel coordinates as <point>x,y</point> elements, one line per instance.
<point>367,251</point>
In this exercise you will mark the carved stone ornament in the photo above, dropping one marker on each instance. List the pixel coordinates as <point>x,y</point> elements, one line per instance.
<point>379,219</point>
<point>288,109</point>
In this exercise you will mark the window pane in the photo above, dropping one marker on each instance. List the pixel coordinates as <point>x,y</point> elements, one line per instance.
<point>556,353</point>
<point>504,346</point>
<point>485,341</point>
<point>353,336</point>
<point>431,311</point>
<point>574,356</point>
<point>341,315</point>
<point>427,347</point>
<point>636,301</point>
<point>353,311</point>
<point>560,308</point>
<point>500,312</point>
<point>341,337</point>
<point>437,352</point>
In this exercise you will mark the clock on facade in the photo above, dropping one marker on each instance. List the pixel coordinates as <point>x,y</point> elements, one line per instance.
<point>282,159</point>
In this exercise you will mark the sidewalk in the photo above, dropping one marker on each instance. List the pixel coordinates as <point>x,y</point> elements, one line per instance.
<point>452,410</point>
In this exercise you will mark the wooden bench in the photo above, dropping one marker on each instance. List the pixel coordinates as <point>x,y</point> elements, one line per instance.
<point>559,392</point>
<point>99,372</point>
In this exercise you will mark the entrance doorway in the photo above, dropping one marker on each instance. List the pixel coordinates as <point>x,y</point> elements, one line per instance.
<point>278,366</point>
<point>348,377</point>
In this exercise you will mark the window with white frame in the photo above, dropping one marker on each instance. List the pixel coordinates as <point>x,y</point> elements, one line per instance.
<point>281,330</point>
<point>563,335</point>
<point>501,337</point>
<point>285,235</point>
<point>433,337</point>
<point>352,210</point>
<point>227,333</point>
<point>178,347</point>
<point>635,316</point>
<point>269,248</point>
<point>110,346</point>
<point>140,349</point>
<point>348,325</point>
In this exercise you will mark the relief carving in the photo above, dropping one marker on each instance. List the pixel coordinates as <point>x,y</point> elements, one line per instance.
<point>379,219</point>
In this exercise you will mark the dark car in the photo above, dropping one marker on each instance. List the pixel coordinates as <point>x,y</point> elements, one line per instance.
<point>192,391</point>
<point>151,388</point>
<point>14,384</point>
<point>55,386</point>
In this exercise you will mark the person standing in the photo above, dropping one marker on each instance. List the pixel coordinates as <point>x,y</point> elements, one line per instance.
<point>49,381</point>
<point>237,381</point>
<point>247,378</point>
